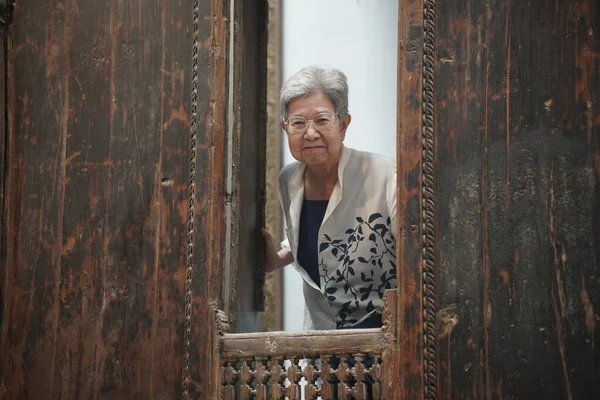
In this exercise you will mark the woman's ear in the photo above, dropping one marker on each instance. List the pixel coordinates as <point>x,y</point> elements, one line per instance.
<point>282,125</point>
<point>344,124</point>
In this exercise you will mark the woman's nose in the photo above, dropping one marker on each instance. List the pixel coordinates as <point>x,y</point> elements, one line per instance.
<point>311,133</point>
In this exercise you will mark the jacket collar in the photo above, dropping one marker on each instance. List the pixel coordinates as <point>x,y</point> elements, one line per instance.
<point>296,190</point>
<point>297,182</point>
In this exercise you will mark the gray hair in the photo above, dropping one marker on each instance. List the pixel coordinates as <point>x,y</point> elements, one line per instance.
<point>329,81</point>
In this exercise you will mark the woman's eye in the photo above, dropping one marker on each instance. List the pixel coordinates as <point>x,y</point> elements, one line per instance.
<point>297,124</point>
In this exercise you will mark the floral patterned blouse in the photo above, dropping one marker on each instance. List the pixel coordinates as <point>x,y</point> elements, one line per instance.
<point>357,256</point>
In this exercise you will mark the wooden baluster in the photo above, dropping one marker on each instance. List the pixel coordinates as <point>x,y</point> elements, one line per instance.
<point>358,372</point>
<point>276,377</point>
<point>375,374</point>
<point>343,373</point>
<point>245,388</point>
<point>327,374</point>
<point>229,377</point>
<point>310,391</point>
<point>260,376</point>
<point>293,390</point>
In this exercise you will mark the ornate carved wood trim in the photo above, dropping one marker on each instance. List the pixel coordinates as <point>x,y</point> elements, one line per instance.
<point>428,203</point>
<point>206,222</point>
<point>191,202</point>
<point>416,254</point>
<point>350,362</point>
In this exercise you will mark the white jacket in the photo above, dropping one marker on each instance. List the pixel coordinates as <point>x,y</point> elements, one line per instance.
<point>357,256</point>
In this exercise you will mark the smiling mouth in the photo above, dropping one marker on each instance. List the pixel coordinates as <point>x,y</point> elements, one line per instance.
<point>313,147</point>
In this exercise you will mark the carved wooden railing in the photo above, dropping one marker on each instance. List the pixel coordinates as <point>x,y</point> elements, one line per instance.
<point>342,364</point>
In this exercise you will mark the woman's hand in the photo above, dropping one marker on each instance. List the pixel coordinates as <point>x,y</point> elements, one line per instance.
<point>274,259</point>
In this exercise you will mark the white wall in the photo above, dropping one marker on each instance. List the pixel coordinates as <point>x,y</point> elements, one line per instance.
<point>358,37</point>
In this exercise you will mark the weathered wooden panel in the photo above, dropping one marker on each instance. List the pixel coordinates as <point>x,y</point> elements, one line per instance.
<point>210,77</point>
<point>213,268</point>
<point>248,160</point>
<point>518,198</point>
<point>272,318</point>
<point>3,160</point>
<point>301,344</point>
<point>96,211</point>
<point>410,363</point>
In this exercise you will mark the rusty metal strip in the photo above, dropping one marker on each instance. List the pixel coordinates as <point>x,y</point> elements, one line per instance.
<point>428,206</point>
<point>191,204</point>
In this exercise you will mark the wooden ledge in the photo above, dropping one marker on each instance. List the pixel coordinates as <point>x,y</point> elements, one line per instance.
<point>308,344</point>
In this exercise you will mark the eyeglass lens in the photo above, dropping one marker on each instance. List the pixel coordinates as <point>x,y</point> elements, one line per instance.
<point>321,122</point>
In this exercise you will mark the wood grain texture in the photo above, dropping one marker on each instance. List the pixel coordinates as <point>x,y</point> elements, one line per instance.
<point>253,145</point>
<point>209,177</point>
<point>409,254</point>
<point>98,146</point>
<point>272,318</point>
<point>391,346</point>
<point>248,164</point>
<point>3,188</point>
<point>518,198</point>
<point>300,344</point>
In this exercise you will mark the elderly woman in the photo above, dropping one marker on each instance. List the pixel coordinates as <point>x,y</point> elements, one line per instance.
<point>339,204</point>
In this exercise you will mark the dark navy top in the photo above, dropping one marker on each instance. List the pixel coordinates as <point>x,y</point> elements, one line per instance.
<point>374,321</point>
<point>311,217</point>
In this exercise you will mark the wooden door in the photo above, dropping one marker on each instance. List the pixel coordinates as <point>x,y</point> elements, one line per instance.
<point>96,199</point>
<point>114,154</point>
<point>499,148</point>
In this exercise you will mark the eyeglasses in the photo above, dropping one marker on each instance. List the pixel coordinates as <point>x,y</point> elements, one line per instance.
<point>322,123</point>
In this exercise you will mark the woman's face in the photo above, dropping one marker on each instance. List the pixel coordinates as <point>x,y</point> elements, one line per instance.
<point>316,149</point>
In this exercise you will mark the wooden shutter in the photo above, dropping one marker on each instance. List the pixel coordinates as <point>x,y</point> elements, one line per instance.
<point>499,187</point>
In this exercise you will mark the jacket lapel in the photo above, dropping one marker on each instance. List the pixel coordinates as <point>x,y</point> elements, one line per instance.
<point>296,190</point>
<point>338,191</point>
